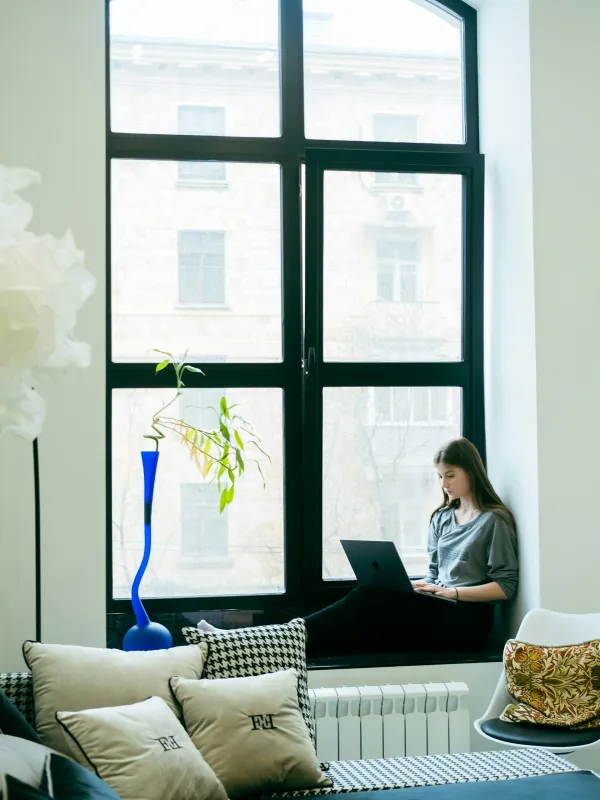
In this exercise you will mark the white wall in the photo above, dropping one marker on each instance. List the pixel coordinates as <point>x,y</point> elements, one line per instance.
<point>565,64</point>
<point>52,111</point>
<point>511,414</point>
<point>540,113</point>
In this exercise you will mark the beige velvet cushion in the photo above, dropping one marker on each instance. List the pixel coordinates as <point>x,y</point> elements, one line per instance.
<point>142,751</point>
<point>251,732</point>
<point>72,678</point>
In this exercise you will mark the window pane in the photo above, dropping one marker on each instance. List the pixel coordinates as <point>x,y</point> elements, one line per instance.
<point>382,403</point>
<point>420,404</point>
<point>392,270</point>
<point>401,396</point>
<point>193,268</point>
<point>204,531</point>
<point>220,57</point>
<point>202,171</point>
<point>395,127</point>
<point>196,551</point>
<point>378,476</point>
<point>201,120</point>
<point>386,70</point>
<point>200,407</point>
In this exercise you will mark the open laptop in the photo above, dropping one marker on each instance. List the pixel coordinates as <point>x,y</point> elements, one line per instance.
<point>377,563</point>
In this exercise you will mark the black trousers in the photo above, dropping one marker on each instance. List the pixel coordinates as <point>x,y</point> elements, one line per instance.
<point>375,620</point>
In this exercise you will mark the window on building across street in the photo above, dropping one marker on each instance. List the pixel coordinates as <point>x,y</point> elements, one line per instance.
<point>395,128</point>
<point>201,121</point>
<point>296,201</point>
<point>203,529</point>
<point>317,28</point>
<point>401,519</point>
<point>201,267</point>
<point>412,405</point>
<point>397,268</point>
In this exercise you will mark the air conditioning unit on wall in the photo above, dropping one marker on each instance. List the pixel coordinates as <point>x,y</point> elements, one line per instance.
<point>396,202</point>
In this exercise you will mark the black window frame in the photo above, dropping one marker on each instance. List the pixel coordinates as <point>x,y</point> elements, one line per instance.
<point>302,372</point>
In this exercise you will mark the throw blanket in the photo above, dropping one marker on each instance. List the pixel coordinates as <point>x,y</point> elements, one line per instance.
<point>558,686</point>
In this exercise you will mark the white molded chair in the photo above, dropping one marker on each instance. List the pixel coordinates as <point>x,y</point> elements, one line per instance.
<point>544,627</point>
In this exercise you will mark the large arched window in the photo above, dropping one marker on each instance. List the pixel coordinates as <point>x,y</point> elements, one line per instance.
<point>296,198</point>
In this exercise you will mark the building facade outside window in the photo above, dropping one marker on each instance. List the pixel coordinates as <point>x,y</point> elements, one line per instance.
<point>398,268</point>
<point>201,267</point>
<point>201,121</point>
<point>204,535</point>
<point>395,128</point>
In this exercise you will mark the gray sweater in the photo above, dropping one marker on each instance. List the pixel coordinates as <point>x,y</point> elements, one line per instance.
<point>481,551</point>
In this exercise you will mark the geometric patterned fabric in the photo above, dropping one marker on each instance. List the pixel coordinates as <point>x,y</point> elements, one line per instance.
<point>246,652</point>
<point>18,687</point>
<point>401,773</point>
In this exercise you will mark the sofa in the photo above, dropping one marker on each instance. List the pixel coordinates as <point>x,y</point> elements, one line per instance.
<point>412,776</point>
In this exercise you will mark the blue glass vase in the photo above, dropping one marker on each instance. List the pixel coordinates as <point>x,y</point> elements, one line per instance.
<point>146,635</point>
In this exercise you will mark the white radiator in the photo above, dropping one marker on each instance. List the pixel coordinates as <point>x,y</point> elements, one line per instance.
<point>415,719</point>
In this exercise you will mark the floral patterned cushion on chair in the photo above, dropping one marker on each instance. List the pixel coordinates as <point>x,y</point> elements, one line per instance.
<point>557,686</point>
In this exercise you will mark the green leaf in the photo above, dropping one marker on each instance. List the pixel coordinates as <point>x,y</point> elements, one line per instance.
<point>193,369</point>
<point>238,439</point>
<point>162,365</point>
<point>224,408</point>
<point>239,459</point>
<point>230,493</point>
<point>223,501</point>
<point>224,431</point>
<point>221,470</point>
<point>231,475</point>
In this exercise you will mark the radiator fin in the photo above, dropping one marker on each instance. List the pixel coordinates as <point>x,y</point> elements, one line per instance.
<point>414,719</point>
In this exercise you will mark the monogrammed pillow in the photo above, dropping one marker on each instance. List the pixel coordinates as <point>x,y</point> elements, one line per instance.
<point>251,732</point>
<point>142,752</point>
<point>243,652</point>
<point>71,678</point>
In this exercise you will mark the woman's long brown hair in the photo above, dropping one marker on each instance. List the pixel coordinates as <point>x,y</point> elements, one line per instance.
<point>462,453</point>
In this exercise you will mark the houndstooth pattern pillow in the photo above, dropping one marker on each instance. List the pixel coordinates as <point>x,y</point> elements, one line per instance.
<point>246,652</point>
<point>18,687</point>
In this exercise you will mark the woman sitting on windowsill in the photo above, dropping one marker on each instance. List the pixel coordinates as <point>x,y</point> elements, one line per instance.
<point>473,559</point>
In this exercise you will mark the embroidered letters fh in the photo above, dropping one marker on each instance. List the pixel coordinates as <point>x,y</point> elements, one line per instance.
<point>262,722</point>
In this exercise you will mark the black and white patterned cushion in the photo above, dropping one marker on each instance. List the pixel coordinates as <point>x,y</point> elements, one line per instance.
<point>18,687</point>
<point>245,652</point>
<point>401,773</point>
